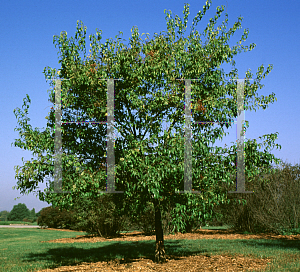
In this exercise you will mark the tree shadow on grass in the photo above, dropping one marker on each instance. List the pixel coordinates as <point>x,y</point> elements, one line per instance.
<point>281,243</point>
<point>126,252</point>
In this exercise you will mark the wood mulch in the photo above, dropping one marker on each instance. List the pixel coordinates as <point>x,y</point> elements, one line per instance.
<point>202,262</point>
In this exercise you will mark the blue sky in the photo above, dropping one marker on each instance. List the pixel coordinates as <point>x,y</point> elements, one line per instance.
<point>27,45</point>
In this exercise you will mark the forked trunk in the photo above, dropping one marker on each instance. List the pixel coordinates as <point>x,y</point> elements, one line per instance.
<point>160,255</point>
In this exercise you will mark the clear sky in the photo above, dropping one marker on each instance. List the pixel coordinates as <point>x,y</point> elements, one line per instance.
<point>27,47</point>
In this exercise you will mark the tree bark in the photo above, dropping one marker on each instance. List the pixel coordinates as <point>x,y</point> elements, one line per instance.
<point>160,255</point>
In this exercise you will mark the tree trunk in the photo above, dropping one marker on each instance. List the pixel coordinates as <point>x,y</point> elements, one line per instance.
<point>160,255</point>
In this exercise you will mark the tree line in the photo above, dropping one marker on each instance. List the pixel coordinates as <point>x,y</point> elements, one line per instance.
<point>20,212</point>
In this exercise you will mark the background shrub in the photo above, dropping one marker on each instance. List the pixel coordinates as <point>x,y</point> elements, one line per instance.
<point>54,218</point>
<point>274,206</point>
<point>101,217</point>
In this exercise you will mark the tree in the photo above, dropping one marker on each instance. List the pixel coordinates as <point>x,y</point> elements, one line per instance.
<point>18,213</point>
<point>3,215</point>
<point>155,177</point>
<point>39,213</point>
<point>32,215</point>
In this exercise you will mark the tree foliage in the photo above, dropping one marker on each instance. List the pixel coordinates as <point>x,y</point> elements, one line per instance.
<point>3,215</point>
<point>54,218</point>
<point>18,213</point>
<point>149,87</point>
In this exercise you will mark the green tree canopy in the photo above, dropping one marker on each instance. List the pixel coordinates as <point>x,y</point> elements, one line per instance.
<point>18,213</point>
<point>148,86</point>
<point>3,215</point>
<point>32,215</point>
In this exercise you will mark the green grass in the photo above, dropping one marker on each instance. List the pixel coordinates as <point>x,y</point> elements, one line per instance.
<point>22,250</point>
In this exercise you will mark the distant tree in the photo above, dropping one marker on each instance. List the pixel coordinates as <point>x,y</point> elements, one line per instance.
<point>3,215</point>
<point>32,216</point>
<point>18,213</point>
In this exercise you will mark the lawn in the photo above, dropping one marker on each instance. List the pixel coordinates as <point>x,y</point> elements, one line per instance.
<point>22,250</point>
